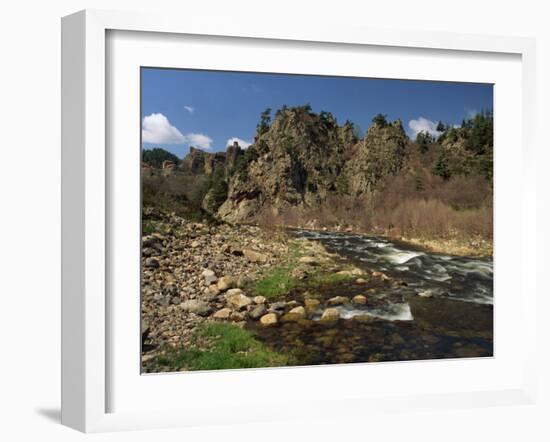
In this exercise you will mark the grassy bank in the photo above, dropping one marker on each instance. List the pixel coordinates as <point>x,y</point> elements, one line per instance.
<point>219,346</point>
<point>308,265</point>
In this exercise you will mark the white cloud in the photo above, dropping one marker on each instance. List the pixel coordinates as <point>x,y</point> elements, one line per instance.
<point>244,144</point>
<point>189,109</point>
<point>156,128</point>
<point>199,140</point>
<point>423,125</point>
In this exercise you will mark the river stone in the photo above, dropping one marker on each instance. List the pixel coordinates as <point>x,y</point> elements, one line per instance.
<point>195,306</point>
<point>152,262</point>
<point>232,292</point>
<point>213,290</point>
<point>238,300</point>
<point>269,320</point>
<point>195,244</point>
<point>226,283</point>
<point>359,299</point>
<point>380,275</point>
<point>277,306</point>
<point>330,315</point>
<point>253,256</point>
<point>360,281</point>
<point>257,312</point>
<point>224,313</point>
<point>259,299</point>
<point>209,276</point>
<point>363,318</point>
<point>294,315</point>
<point>338,300</point>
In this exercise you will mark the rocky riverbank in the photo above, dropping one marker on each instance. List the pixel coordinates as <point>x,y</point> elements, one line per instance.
<point>196,272</point>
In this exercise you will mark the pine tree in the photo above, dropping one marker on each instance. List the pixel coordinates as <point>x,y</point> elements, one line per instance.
<point>441,167</point>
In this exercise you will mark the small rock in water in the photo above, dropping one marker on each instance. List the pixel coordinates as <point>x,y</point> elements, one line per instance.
<point>363,318</point>
<point>359,299</point>
<point>426,294</point>
<point>195,244</point>
<point>259,299</point>
<point>360,281</point>
<point>311,305</point>
<point>338,300</point>
<point>380,275</point>
<point>295,314</point>
<point>330,315</point>
<point>269,320</point>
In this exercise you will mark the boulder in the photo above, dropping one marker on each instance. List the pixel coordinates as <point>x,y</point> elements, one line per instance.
<point>225,283</point>
<point>259,299</point>
<point>294,315</point>
<point>152,263</point>
<point>238,300</point>
<point>338,300</point>
<point>257,312</point>
<point>359,299</point>
<point>269,320</point>
<point>224,313</point>
<point>209,276</point>
<point>330,315</point>
<point>195,306</point>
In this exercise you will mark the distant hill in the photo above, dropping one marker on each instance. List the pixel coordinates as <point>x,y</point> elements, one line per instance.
<point>305,169</point>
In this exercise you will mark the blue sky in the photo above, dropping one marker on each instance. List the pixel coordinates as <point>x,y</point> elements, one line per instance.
<point>206,109</point>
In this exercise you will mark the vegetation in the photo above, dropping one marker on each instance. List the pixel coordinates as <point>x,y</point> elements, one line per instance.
<point>280,280</point>
<point>222,346</point>
<point>380,120</point>
<point>156,156</point>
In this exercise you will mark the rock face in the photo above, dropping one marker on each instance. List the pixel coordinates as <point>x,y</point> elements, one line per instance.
<point>302,159</point>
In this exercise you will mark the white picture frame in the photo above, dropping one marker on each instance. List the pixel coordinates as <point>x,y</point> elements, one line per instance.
<point>85,236</point>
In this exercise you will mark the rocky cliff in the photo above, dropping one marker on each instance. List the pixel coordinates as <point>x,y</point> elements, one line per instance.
<point>302,158</point>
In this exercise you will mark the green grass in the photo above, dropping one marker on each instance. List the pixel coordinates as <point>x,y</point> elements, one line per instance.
<point>278,281</point>
<point>275,282</point>
<point>151,226</point>
<point>228,347</point>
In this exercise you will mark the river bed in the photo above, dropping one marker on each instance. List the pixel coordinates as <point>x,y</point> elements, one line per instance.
<point>431,306</point>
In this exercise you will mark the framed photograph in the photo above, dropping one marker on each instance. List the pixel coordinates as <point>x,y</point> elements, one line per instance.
<point>277,223</point>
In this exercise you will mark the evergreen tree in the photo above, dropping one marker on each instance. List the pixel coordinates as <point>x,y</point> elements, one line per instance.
<point>265,121</point>
<point>156,156</point>
<point>380,120</point>
<point>441,167</point>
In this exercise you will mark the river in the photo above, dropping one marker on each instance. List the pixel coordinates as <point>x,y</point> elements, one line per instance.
<point>431,306</point>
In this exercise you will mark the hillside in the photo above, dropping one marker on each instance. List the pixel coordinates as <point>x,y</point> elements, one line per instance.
<point>306,170</point>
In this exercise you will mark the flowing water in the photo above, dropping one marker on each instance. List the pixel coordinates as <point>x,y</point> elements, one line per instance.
<point>430,306</point>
